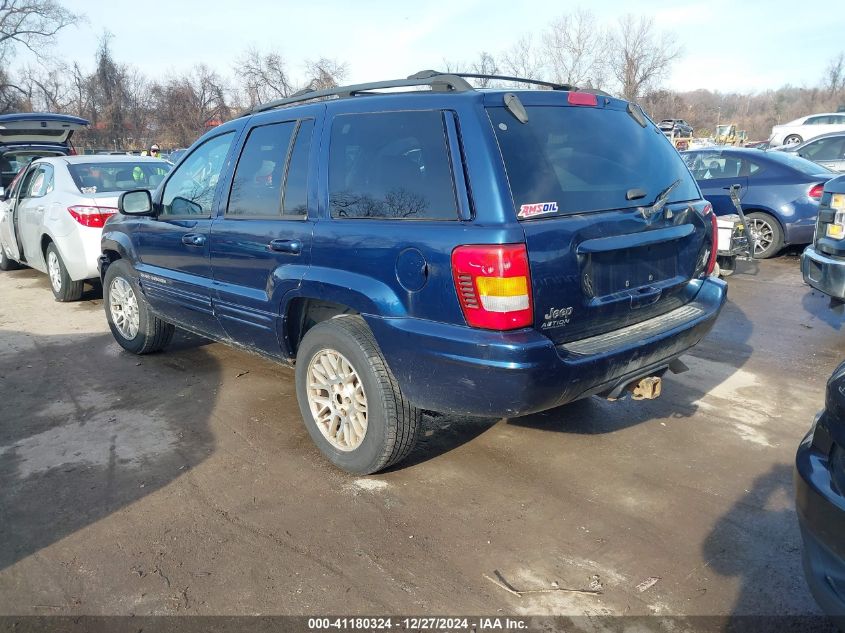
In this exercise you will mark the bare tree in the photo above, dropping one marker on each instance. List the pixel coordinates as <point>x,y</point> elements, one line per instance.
<point>13,97</point>
<point>263,77</point>
<point>834,74</point>
<point>47,87</point>
<point>640,56</point>
<point>325,73</point>
<point>189,104</point>
<point>31,23</point>
<point>522,59</point>
<point>484,65</point>
<point>576,50</point>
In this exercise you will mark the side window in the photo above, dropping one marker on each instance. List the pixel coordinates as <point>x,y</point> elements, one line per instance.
<point>257,184</point>
<point>748,168</point>
<point>27,185</point>
<point>824,149</point>
<point>706,166</point>
<point>41,183</point>
<point>391,165</point>
<point>817,120</point>
<point>295,202</point>
<point>190,190</point>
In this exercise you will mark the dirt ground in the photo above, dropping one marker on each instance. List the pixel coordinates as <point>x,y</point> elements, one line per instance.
<point>185,483</point>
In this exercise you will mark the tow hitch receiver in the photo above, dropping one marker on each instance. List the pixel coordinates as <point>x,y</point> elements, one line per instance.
<point>646,389</point>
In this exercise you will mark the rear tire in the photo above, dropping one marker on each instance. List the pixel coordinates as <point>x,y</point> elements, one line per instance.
<point>64,288</point>
<point>132,323</point>
<point>349,399</point>
<point>769,235</point>
<point>5,262</point>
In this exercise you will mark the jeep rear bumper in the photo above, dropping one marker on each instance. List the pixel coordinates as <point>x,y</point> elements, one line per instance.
<point>466,371</point>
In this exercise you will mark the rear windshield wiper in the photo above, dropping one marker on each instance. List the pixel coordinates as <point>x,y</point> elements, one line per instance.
<point>659,201</point>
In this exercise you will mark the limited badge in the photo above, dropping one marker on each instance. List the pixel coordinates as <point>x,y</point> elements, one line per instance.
<point>537,208</point>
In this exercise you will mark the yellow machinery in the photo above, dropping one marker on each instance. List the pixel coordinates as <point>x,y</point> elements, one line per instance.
<point>728,134</point>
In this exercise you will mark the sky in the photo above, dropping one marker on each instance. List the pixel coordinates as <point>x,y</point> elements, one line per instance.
<point>739,45</point>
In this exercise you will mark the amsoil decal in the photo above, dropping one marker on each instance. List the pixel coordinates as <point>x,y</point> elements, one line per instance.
<point>537,208</point>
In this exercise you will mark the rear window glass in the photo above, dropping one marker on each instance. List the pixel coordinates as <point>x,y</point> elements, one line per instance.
<point>123,176</point>
<point>806,167</point>
<point>392,165</point>
<point>577,159</point>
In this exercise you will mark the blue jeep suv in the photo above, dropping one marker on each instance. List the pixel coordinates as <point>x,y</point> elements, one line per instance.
<point>472,252</point>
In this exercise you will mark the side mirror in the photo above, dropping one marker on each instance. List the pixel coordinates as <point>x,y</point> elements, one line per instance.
<point>136,202</point>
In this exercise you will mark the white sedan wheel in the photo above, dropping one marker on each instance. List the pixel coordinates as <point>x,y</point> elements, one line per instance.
<point>54,269</point>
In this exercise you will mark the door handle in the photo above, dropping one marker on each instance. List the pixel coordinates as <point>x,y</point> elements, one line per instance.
<point>193,239</point>
<point>40,209</point>
<point>286,246</point>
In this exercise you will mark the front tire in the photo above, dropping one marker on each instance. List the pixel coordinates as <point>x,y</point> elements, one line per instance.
<point>792,139</point>
<point>349,399</point>
<point>132,323</point>
<point>768,235</point>
<point>64,288</point>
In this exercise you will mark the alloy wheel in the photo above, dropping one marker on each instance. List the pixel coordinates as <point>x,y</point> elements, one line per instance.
<point>123,306</point>
<point>337,400</point>
<point>763,235</point>
<point>54,269</point>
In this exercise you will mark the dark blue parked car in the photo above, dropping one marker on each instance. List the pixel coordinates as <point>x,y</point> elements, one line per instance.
<point>823,261</point>
<point>780,192</point>
<point>820,501</point>
<point>487,253</point>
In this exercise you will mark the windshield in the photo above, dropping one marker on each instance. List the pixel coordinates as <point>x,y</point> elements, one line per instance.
<point>577,159</point>
<point>806,167</point>
<point>92,178</point>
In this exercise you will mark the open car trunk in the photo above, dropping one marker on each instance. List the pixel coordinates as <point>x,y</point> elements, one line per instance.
<point>37,127</point>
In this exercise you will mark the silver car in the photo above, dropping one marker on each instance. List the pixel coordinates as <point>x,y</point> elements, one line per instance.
<point>827,150</point>
<point>52,214</point>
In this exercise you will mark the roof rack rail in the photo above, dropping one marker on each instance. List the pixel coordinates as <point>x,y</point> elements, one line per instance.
<point>522,80</point>
<point>438,81</point>
<point>441,82</point>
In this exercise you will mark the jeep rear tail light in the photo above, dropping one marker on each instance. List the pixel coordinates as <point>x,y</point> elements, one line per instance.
<point>91,216</point>
<point>816,192</point>
<point>493,285</point>
<point>707,259</point>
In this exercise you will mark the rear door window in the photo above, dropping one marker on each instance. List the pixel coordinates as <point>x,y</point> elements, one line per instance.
<point>257,184</point>
<point>295,200</point>
<point>391,165</point>
<point>579,159</point>
<point>825,149</point>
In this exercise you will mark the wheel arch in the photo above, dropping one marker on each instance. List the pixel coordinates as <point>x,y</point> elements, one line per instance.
<point>302,313</point>
<point>114,245</point>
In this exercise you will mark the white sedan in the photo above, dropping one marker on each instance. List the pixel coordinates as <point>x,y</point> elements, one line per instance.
<point>807,127</point>
<point>52,215</point>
